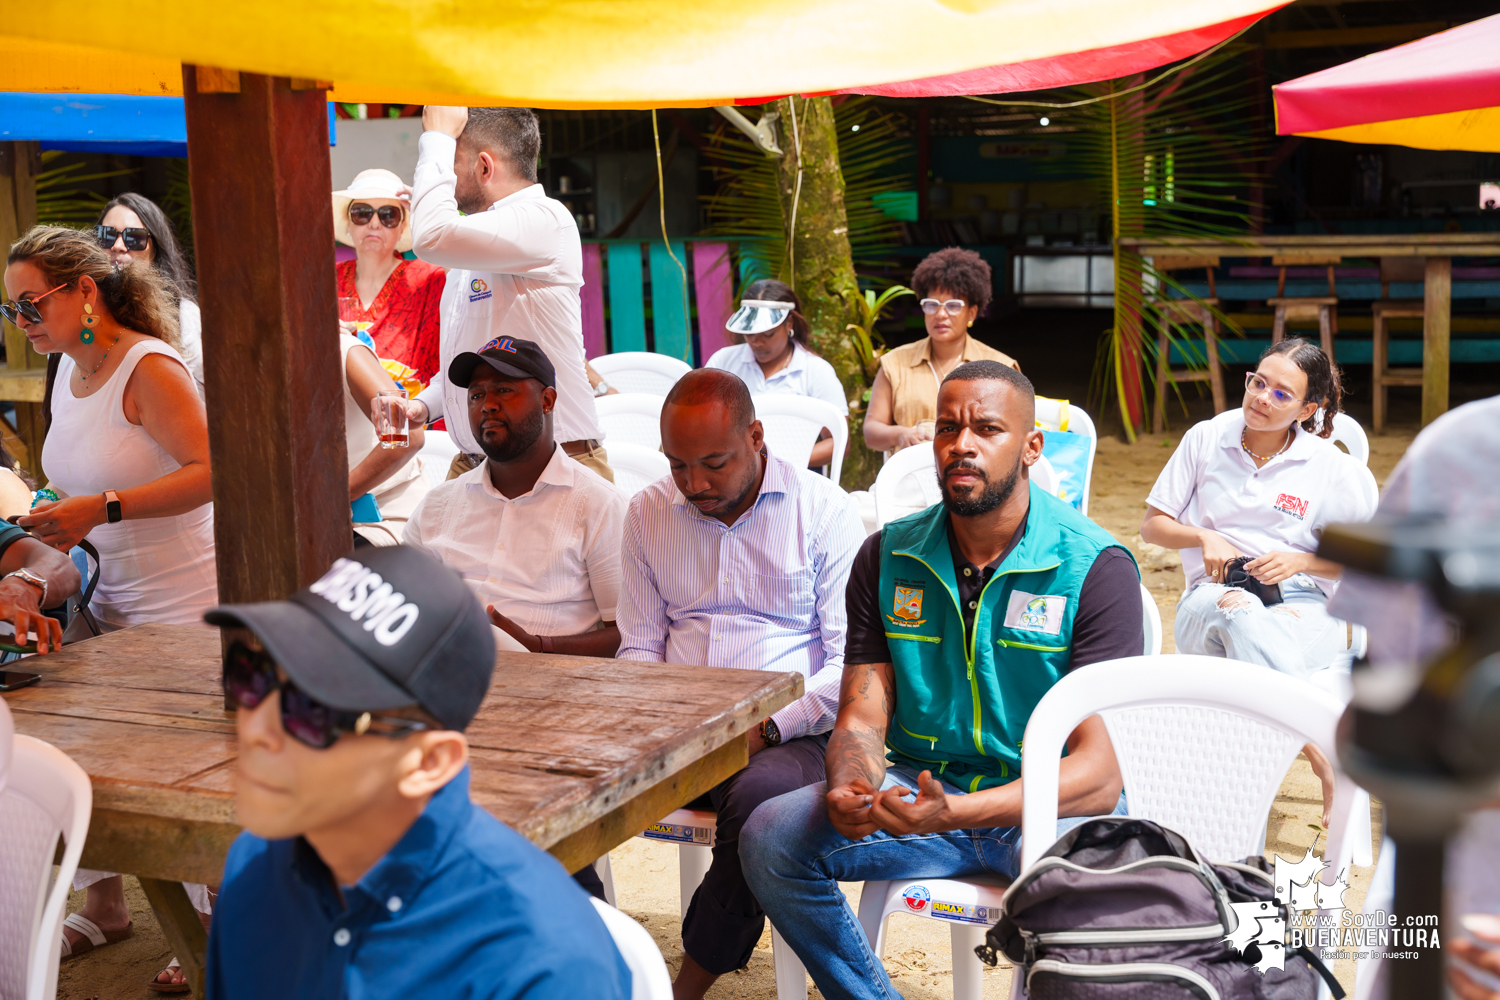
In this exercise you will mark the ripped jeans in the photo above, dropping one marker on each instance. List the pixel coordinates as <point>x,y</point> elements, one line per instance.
<point>1297,637</point>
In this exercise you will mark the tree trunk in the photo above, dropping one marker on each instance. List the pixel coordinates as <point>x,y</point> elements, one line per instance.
<point>820,265</point>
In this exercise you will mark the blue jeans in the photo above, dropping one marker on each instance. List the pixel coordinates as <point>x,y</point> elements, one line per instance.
<point>794,859</point>
<point>1297,637</point>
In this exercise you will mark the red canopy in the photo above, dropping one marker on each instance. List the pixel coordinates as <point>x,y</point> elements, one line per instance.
<point>1452,71</point>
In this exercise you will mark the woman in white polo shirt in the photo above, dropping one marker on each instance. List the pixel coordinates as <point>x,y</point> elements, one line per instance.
<point>1261,481</point>
<point>775,356</point>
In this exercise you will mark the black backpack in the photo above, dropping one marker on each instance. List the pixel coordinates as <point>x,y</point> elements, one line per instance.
<point>1125,909</point>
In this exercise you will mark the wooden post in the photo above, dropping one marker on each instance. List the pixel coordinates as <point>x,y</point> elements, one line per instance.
<point>20,162</point>
<point>259,173</point>
<point>1438,302</point>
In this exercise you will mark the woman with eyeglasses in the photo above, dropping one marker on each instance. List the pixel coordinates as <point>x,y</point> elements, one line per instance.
<point>392,299</point>
<point>954,288</point>
<point>127,453</point>
<point>133,229</point>
<point>776,357</point>
<point>1246,497</point>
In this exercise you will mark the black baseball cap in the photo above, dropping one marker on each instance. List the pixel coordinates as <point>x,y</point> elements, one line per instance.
<point>384,628</point>
<point>508,356</point>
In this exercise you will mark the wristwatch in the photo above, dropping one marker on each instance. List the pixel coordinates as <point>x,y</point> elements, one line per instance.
<point>112,510</point>
<point>40,582</point>
<point>770,733</point>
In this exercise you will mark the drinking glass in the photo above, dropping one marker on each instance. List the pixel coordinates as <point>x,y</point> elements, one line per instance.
<point>390,418</point>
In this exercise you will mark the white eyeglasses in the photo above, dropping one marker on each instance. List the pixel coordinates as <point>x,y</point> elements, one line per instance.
<point>953,306</point>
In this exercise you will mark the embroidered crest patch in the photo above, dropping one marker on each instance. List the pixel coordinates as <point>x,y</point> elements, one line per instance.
<point>1034,612</point>
<point>908,604</point>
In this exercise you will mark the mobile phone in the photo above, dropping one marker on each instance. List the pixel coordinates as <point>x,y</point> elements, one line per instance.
<point>12,679</point>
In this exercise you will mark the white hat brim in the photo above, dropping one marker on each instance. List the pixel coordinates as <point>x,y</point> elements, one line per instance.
<point>756,319</point>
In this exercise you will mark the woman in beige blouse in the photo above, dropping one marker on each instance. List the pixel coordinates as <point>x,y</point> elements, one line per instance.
<point>954,286</point>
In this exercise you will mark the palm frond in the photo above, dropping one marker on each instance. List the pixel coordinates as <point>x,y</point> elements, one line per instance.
<point>61,198</point>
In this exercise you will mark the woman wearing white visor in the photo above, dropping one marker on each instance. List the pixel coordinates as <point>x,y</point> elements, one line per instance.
<point>775,356</point>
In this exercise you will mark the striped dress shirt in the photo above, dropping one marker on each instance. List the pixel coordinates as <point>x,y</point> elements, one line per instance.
<point>766,593</point>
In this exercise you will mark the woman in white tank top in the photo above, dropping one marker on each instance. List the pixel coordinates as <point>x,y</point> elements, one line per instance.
<point>128,452</point>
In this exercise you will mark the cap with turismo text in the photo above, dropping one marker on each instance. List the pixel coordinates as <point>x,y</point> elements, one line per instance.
<point>383,628</point>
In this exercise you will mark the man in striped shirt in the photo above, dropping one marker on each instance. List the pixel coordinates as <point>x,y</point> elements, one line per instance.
<point>739,560</point>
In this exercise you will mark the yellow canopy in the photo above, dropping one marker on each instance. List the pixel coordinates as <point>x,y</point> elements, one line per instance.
<point>1477,130</point>
<point>565,53</point>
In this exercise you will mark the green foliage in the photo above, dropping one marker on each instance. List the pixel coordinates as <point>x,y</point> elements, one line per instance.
<point>178,204</point>
<point>868,308</point>
<point>62,199</point>
<point>745,207</point>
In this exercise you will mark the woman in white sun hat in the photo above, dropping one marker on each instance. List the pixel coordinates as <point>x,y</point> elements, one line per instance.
<point>396,297</point>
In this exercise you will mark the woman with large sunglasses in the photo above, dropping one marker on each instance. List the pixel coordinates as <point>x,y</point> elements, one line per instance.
<point>127,452</point>
<point>1246,497</point>
<point>394,300</point>
<point>134,230</point>
<point>954,288</point>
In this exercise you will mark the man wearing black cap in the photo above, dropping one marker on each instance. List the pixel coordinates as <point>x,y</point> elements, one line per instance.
<point>365,870</point>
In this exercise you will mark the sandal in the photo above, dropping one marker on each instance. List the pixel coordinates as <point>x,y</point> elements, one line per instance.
<point>157,986</point>
<point>93,936</point>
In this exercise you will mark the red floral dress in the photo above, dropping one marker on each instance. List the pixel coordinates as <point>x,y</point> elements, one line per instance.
<point>404,316</point>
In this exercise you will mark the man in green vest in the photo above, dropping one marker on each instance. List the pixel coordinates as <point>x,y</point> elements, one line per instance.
<point>961,618</point>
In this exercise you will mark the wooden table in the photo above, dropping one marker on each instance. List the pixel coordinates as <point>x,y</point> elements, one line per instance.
<point>577,754</point>
<point>1438,248</point>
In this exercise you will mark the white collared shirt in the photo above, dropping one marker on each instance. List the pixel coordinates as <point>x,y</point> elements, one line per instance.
<point>514,271</point>
<point>805,375</point>
<point>549,560</point>
<point>1210,482</point>
<point>766,593</point>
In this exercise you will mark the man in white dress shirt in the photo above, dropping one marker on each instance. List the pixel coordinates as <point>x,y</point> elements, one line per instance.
<point>738,560</point>
<point>515,263</point>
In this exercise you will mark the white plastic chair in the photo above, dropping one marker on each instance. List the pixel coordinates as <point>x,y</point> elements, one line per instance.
<point>694,831</point>
<point>47,795</point>
<point>631,417</point>
<point>1347,431</point>
<point>907,483</point>
<point>1152,620</point>
<point>1060,415</point>
<point>649,979</point>
<point>1203,744</point>
<point>636,467</point>
<point>437,455</point>
<point>640,371</point>
<point>792,424</point>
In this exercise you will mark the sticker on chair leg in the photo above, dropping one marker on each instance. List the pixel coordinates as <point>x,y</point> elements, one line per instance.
<point>917,897</point>
<point>968,913</point>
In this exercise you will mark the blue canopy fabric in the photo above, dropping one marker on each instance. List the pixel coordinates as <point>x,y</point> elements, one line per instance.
<point>102,123</point>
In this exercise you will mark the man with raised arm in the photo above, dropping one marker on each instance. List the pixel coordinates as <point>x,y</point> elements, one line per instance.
<point>515,265</point>
<point>960,619</point>
<point>738,560</point>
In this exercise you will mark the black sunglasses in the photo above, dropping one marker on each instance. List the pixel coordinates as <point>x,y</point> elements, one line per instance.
<point>135,239</point>
<point>13,311</point>
<point>250,677</point>
<point>390,215</point>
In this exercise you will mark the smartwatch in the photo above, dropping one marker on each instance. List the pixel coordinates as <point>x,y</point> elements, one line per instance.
<point>112,510</point>
<point>770,733</point>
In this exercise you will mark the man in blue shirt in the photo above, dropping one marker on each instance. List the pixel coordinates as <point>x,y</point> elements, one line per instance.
<point>365,870</point>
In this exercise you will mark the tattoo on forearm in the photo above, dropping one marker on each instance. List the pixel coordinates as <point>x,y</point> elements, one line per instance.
<point>857,752</point>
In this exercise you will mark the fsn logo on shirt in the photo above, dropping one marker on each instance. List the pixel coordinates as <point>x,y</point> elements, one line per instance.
<point>501,344</point>
<point>1288,504</point>
<point>478,290</point>
<point>907,607</point>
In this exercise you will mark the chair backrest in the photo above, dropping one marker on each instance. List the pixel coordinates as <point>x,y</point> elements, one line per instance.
<point>1070,444</point>
<point>633,417</point>
<point>636,467</point>
<point>1371,489</point>
<point>437,455</point>
<point>1347,430</point>
<point>649,979</point>
<point>1203,744</point>
<point>906,483</point>
<point>7,730</point>
<point>640,371</point>
<point>792,424</point>
<point>1151,619</point>
<point>1044,474</point>
<point>47,795</point>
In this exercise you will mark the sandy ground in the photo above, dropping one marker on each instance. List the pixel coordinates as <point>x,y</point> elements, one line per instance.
<point>917,954</point>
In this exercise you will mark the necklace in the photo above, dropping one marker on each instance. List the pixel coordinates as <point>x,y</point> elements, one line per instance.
<point>1266,458</point>
<point>104,358</point>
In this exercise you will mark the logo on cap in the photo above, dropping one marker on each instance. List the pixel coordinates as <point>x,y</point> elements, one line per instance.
<point>501,344</point>
<point>359,592</point>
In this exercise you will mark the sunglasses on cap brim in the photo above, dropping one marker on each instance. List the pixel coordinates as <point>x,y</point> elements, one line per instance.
<point>249,678</point>
<point>390,216</point>
<point>135,239</point>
